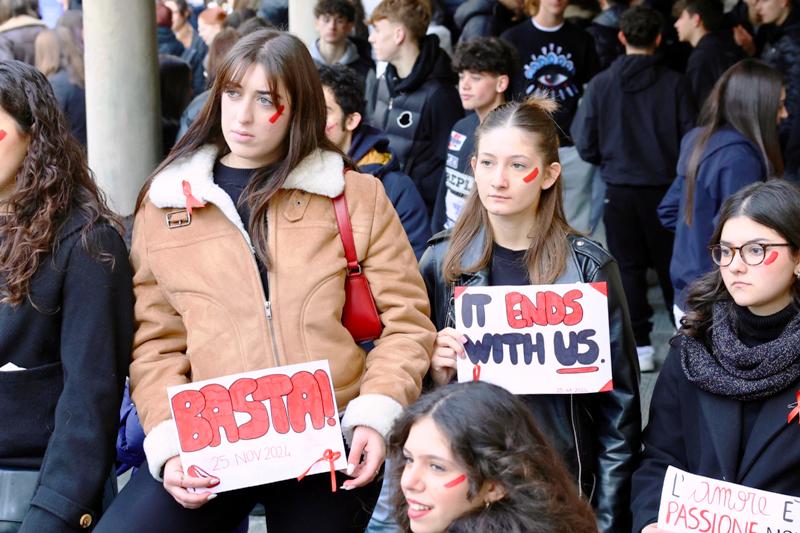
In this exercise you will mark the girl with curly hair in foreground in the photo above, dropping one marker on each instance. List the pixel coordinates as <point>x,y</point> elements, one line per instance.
<point>468,457</point>
<point>66,316</point>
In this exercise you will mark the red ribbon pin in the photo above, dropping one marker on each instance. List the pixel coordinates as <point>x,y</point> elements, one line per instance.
<point>191,201</point>
<point>329,456</point>
<point>796,411</point>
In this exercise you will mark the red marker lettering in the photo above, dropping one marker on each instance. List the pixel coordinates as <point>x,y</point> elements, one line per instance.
<point>2,134</point>
<point>274,118</point>
<point>532,176</point>
<point>771,259</point>
<point>457,481</point>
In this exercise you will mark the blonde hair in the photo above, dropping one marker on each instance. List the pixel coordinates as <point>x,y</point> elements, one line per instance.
<point>415,15</point>
<point>47,52</point>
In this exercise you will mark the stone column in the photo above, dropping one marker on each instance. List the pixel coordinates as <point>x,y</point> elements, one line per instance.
<point>301,20</point>
<point>123,108</point>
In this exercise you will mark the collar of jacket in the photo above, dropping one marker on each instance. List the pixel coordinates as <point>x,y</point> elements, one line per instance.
<point>321,172</point>
<point>20,22</point>
<point>571,274</point>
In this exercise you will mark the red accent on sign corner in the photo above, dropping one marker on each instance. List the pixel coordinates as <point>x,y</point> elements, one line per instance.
<point>458,291</point>
<point>581,370</point>
<point>600,286</point>
<point>608,387</point>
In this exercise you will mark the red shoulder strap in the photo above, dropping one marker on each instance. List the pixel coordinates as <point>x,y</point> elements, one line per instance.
<point>346,231</point>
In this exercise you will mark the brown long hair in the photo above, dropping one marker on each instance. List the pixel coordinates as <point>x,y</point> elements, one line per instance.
<point>746,98</point>
<point>494,438</point>
<point>547,253</point>
<point>53,180</point>
<point>286,60</point>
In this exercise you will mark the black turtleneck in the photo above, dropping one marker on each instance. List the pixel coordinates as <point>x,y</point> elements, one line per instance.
<point>754,330</point>
<point>234,181</point>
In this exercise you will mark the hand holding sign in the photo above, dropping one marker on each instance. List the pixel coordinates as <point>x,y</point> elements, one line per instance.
<point>449,346</point>
<point>177,483</point>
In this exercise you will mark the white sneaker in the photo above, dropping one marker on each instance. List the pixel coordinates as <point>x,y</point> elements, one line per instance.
<point>646,362</point>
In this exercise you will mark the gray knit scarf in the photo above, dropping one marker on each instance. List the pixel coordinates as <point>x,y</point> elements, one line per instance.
<point>736,371</point>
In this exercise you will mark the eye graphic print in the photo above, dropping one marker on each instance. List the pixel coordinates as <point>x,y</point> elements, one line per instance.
<point>551,77</point>
<point>552,73</point>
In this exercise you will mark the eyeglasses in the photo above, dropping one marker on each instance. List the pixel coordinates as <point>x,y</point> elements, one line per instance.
<point>752,253</point>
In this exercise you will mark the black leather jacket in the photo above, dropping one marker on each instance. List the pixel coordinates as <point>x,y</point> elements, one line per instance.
<point>598,435</point>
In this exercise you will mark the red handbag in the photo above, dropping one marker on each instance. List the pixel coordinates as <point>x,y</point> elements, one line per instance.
<point>359,316</point>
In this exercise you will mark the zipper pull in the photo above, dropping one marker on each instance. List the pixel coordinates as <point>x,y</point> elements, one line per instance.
<point>268,309</point>
<point>391,102</point>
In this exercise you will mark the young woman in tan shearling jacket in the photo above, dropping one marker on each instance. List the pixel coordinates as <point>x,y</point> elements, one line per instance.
<point>253,277</point>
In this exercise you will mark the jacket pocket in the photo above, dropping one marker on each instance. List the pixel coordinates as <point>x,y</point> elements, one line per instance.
<point>28,400</point>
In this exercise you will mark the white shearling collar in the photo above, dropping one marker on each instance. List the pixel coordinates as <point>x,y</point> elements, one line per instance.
<point>321,172</point>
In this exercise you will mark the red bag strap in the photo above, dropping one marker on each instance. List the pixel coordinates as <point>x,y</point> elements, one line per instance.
<point>346,233</point>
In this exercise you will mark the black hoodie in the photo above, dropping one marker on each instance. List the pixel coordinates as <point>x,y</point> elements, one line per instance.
<point>631,120</point>
<point>417,113</point>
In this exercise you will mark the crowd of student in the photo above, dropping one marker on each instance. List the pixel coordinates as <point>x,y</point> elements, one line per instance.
<point>492,165</point>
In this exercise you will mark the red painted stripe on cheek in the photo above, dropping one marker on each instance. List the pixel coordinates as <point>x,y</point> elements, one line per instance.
<point>457,481</point>
<point>274,118</point>
<point>532,176</point>
<point>771,259</point>
<point>3,134</point>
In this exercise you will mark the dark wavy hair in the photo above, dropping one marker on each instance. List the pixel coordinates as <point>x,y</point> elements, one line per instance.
<point>774,204</point>
<point>493,438</point>
<point>285,60</point>
<point>53,181</point>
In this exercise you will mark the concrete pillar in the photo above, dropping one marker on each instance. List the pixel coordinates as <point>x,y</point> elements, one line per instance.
<point>301,20</point>
<point>123,108</point>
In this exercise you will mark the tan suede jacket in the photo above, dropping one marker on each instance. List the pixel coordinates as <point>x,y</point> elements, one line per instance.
<point>201,311</point>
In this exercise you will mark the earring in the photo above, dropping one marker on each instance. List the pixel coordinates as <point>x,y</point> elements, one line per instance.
<point>487,504</point>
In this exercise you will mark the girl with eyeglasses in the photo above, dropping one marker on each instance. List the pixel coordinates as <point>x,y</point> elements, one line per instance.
<point>721,403</point>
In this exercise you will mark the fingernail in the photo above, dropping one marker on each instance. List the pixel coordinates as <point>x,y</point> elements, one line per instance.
<point>214,482</point>
<point>347,487</point>
<point>211,497</point>
<point>350,468</point>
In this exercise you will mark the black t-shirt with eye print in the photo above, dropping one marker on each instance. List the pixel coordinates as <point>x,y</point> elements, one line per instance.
<point>557,62</point>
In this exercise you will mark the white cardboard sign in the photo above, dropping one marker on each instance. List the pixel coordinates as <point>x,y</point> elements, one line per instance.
<point>259,427</point>
<point>536,339</point>
<point>692,503</point>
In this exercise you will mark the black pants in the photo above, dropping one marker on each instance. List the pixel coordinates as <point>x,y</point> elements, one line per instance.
<point>291,506</point>
<point>637,240</point>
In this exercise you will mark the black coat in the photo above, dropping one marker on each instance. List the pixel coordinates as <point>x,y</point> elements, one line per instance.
<point>631,121</point>
<point>597,435</point>
<point>713,55</point>
<point>700,433</point>
<point>61,413</point>
<point>417,113</point>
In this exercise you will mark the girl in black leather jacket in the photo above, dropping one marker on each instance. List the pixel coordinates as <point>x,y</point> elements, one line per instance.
<point>512,231</point>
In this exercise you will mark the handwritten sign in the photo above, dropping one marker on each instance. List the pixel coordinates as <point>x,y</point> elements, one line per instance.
<point>536,339</point>
<point>259,427</point>
<point>696,503</point>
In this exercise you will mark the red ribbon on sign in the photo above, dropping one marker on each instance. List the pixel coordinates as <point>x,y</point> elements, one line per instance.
<point>191,201</point>
<point>329,456</point>
<point>796,411</point>
<point>476,373</point>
